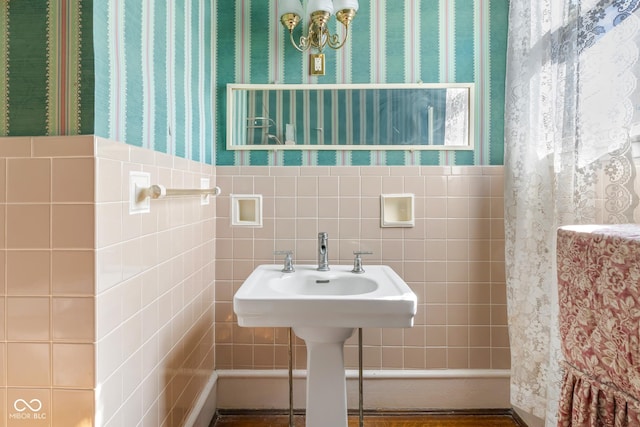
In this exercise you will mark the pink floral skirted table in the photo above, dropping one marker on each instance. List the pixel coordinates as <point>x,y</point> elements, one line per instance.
<point>599,291</point>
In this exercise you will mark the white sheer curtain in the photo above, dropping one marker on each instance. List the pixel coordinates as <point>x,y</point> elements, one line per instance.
<point>571,108</point>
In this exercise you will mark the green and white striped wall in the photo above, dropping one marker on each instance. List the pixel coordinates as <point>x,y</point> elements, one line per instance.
<point>154,75</point>
<point>135,71</point>
<point>46,67</point>
<point>391,41</point>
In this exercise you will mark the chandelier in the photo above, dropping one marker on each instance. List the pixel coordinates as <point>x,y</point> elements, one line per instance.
<point>317,35</point>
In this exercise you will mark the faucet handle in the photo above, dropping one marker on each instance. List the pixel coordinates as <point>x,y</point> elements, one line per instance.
<point>357,261</point>
<point>288,260</point>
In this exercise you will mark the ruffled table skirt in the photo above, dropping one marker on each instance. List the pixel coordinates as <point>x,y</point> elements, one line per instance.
<point>588,403</point>
<point>599,296</point>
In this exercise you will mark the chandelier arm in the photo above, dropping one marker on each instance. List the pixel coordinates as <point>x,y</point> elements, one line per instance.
<point>334,41</point>
<point>305,42</point>
<point>315,36</point>
<point>303,45</point>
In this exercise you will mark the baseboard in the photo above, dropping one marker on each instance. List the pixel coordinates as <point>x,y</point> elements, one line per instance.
<point>371,413</point>
<point>382,390</point>
<point>527,418</point>
<point>206,405</point>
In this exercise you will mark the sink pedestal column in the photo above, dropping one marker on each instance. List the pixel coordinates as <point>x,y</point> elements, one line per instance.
<point>326,380</point>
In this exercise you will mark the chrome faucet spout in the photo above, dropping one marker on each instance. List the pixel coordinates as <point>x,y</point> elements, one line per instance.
<point>323,251</point>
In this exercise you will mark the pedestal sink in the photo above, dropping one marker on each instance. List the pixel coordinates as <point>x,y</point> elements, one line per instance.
<point>324,308</point>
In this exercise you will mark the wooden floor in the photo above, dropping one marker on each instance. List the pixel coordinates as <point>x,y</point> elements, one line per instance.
<point>378,420</point>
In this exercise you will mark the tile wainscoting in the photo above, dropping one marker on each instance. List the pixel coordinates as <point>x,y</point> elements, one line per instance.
<point>107,318</point>
<point>453,259</point>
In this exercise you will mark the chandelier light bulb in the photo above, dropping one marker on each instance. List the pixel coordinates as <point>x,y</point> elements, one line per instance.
<point>339,5</point>
<point>290,6</point>
<point>320,5</point>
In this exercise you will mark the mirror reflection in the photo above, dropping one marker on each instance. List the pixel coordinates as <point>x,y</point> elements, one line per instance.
<point>351,117</point>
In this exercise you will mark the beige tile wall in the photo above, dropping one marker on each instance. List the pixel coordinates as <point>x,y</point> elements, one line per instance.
<point>46,303</point>
<point>104,316</point>
<point>93,298</point>
<point>154,290</point>
<point>453,259</point>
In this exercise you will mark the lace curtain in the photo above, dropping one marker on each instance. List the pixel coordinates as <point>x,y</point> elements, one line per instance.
<point>572,107</point>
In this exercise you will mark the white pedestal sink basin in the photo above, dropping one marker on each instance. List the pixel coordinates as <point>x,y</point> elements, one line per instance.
<point>323,308</point>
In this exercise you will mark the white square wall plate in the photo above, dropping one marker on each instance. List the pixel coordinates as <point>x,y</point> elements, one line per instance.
<point>246,210</point>
<point>397,210</point>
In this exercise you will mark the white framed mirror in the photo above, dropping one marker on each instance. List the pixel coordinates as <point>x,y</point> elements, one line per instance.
<point>422,116</point>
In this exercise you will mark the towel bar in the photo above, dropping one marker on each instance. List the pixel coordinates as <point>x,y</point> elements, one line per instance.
<point>160,191</point>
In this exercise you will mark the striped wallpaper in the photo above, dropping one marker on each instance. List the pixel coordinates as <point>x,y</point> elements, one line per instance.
<point>154,75</point>
<point>46,67</point>
<point>391,41</point>
<point>135,71</point>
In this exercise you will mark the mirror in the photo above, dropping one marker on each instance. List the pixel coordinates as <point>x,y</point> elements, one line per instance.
<point>350,116</point>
